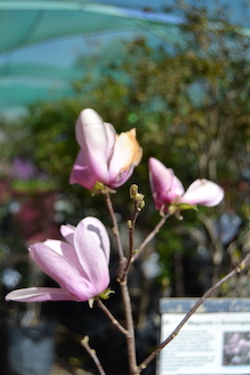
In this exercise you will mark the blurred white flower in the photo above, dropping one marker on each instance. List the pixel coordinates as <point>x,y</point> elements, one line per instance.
<point>151,266</point>
<point>10,278</point>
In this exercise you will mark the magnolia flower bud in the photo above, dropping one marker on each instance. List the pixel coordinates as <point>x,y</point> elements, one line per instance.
<point>133,191</point>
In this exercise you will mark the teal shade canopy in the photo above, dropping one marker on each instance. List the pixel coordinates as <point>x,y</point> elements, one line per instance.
<point>41,39</point>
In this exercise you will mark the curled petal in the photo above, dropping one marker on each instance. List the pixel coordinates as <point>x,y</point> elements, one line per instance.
<point>126,156</point>
<point>68,232</point>
<point>39,295</point>
<point>111,135</point>
<point>203,192</point>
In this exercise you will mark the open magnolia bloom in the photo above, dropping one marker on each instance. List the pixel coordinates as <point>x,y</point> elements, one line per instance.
<point>105,157</point>
<point>80,265</point>
<point>167,189</point>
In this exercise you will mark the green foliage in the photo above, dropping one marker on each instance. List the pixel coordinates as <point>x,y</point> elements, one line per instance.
<point>33,186</point>
<point>52,140</point>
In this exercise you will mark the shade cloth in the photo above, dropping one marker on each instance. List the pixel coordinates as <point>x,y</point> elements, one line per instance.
<point>30,66</point>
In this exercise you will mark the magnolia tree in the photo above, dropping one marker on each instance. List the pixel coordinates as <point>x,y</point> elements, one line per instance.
<point>80,263</point>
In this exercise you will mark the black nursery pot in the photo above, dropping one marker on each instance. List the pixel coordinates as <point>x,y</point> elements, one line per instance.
<point>30,349</point>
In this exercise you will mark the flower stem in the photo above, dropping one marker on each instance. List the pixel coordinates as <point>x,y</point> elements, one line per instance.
<point>111,316</point>
<point>131,240</point>
<point>150,236</point>
<point>122,279</point>
<point>130,336</point>
<point>92,353</point>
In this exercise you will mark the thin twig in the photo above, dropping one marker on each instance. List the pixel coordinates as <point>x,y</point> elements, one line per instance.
<point>150,236</point>
<point>111,317</point>
<point>92,353</point>
<point>116,232</point>
<point>234,272</point>
<point>131,239</point>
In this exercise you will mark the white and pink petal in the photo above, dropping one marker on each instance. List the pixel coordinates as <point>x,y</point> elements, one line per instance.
<point>62,270</point>
<point>126,155</point>
<point>81,173</point>
<point>39,295</point>
<point>203,192</point>
<point>91,135</point>
<point>92,246</point>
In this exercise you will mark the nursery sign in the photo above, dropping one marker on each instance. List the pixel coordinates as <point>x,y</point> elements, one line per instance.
<point>215,340</point>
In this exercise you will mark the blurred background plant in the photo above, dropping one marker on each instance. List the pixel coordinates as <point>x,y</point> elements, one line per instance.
<point>189,102</point>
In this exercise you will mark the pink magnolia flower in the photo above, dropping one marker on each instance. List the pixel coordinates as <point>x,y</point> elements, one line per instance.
<point>79,265</point>
<point>105,156</point>
<point>167,188</point>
